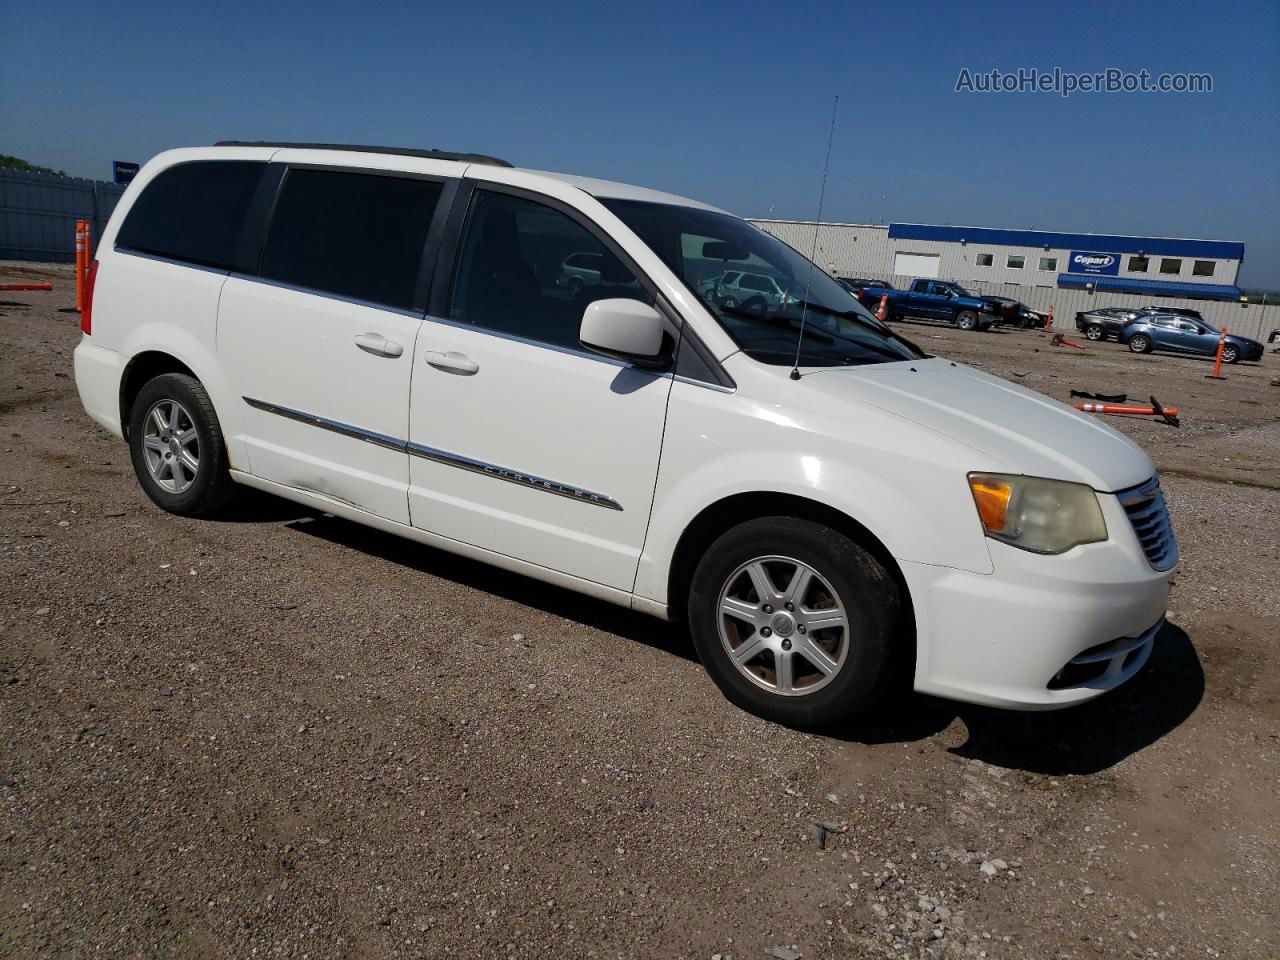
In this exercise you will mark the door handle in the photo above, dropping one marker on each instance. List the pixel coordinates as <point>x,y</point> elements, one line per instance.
<point>378,345</point>
<point>452,362</point>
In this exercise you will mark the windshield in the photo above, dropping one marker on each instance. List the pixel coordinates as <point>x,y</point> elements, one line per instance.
<point>759,288</point>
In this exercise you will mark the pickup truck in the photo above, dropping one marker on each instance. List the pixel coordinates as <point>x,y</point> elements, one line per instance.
<point>934,300</point>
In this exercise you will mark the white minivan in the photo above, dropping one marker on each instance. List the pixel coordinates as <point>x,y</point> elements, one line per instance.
<point>385,335</point>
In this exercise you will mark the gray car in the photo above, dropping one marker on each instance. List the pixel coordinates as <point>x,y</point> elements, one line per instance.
<point>1105,322</point>
<point>1178,333</point>
<point>738,288</point>
<point>579,270</point>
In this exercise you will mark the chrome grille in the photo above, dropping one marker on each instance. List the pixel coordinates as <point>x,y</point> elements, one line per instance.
<point>1150,518</point>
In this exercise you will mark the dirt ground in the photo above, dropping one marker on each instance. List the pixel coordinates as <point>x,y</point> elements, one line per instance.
<point>281,734</point>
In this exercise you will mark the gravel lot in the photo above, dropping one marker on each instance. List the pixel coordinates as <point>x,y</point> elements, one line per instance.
<point>281,734</point>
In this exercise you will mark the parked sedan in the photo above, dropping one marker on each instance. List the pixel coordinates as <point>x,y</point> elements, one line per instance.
<point>1105,322</point>
<point>1014,313</point>
<point>1179,334</point>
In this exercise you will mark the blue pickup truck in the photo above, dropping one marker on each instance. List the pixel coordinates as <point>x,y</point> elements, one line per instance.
<point>933,300</point>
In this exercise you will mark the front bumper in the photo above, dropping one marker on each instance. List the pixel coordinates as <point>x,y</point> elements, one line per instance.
<point>1040,632</point>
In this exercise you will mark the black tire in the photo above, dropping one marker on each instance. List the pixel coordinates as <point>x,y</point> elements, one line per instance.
<point>212,487</point>
<point>863,587</point>
<point>574,286</point>
<point>967,320</point>
<point>1230,353</point>
<point>1140,343</point>
<point>729,303</point>
<point>1095,332</point>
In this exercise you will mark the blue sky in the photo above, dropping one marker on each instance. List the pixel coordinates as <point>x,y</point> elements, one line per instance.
<point>729,103</point>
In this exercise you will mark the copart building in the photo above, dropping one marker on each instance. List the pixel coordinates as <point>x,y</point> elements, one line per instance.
<point>1069,271</point>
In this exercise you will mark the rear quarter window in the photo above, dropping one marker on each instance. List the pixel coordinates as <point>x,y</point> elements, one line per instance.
<point>193,212</point>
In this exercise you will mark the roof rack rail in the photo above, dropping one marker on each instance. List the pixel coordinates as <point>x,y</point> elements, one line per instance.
<point>362,148</point>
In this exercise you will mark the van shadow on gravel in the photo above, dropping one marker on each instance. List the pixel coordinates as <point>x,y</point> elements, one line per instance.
<point>1078,740</point>
<point>517,588</point>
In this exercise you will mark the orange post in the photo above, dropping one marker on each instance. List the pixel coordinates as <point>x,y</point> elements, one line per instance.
<point>1048,320</point>
<point>80,261</point>
<point>26,286</point>
<point>1217,362</point>
<point>882,311</point>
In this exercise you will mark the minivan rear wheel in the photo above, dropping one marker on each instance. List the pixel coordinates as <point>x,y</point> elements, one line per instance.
<point>177,448</point>
<point>794,621</point>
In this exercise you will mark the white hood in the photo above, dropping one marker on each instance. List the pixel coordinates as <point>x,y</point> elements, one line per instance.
<point>1023,430</point>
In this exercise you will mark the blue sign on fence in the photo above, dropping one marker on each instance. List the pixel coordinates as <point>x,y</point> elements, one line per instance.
<point>123,171</point>
<point>1082,261</point>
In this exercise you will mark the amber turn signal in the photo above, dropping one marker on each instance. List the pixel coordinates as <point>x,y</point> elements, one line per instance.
<point>991,495</point>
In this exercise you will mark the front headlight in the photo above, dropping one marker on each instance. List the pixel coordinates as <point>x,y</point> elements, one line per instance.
<point>1031,513</point>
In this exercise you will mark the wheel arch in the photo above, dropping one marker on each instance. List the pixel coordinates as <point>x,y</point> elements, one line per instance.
<point>727,512</point>
<point>141,368</point>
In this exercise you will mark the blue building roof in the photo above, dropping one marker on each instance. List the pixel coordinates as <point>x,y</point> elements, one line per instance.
<point>1100,242</point>
<point>1168,288</point>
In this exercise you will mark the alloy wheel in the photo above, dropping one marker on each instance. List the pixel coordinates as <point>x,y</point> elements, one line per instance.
<point>171,446</point>
<point>783,625</point>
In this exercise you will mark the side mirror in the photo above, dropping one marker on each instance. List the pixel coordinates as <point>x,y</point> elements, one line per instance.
<point>626,330</point>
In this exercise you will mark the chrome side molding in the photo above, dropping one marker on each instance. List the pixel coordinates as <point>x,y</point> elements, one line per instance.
<point>494,470</point>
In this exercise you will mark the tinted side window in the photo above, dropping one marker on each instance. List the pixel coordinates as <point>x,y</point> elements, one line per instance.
<point>193,212</point>
<point>509,265</point>
<point>353,234</point>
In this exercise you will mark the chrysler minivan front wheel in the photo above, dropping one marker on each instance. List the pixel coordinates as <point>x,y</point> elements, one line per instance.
<point>794,621</point>
<point>177,447</point>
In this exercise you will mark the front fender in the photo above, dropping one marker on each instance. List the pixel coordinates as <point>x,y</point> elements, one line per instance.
<point>899,480</point>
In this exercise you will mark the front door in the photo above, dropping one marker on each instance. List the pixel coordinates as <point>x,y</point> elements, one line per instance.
<point>319,345</point>
<point>522,441</point>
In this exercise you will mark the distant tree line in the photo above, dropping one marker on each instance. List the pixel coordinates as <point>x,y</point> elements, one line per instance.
<point>17,163</point>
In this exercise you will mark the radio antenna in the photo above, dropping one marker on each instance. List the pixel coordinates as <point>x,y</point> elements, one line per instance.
<point>822,195</point>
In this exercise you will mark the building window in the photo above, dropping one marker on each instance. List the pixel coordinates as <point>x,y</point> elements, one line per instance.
<point>984,259</point>
<point>1016,263</point>
<point>1168,265</point>
<point>1048,263</point>
<point>1203,268</point>
<point>1139,264</point>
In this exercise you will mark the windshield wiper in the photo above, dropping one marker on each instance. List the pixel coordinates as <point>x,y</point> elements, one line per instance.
<point>821,336</point>
<point>872,324</point>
